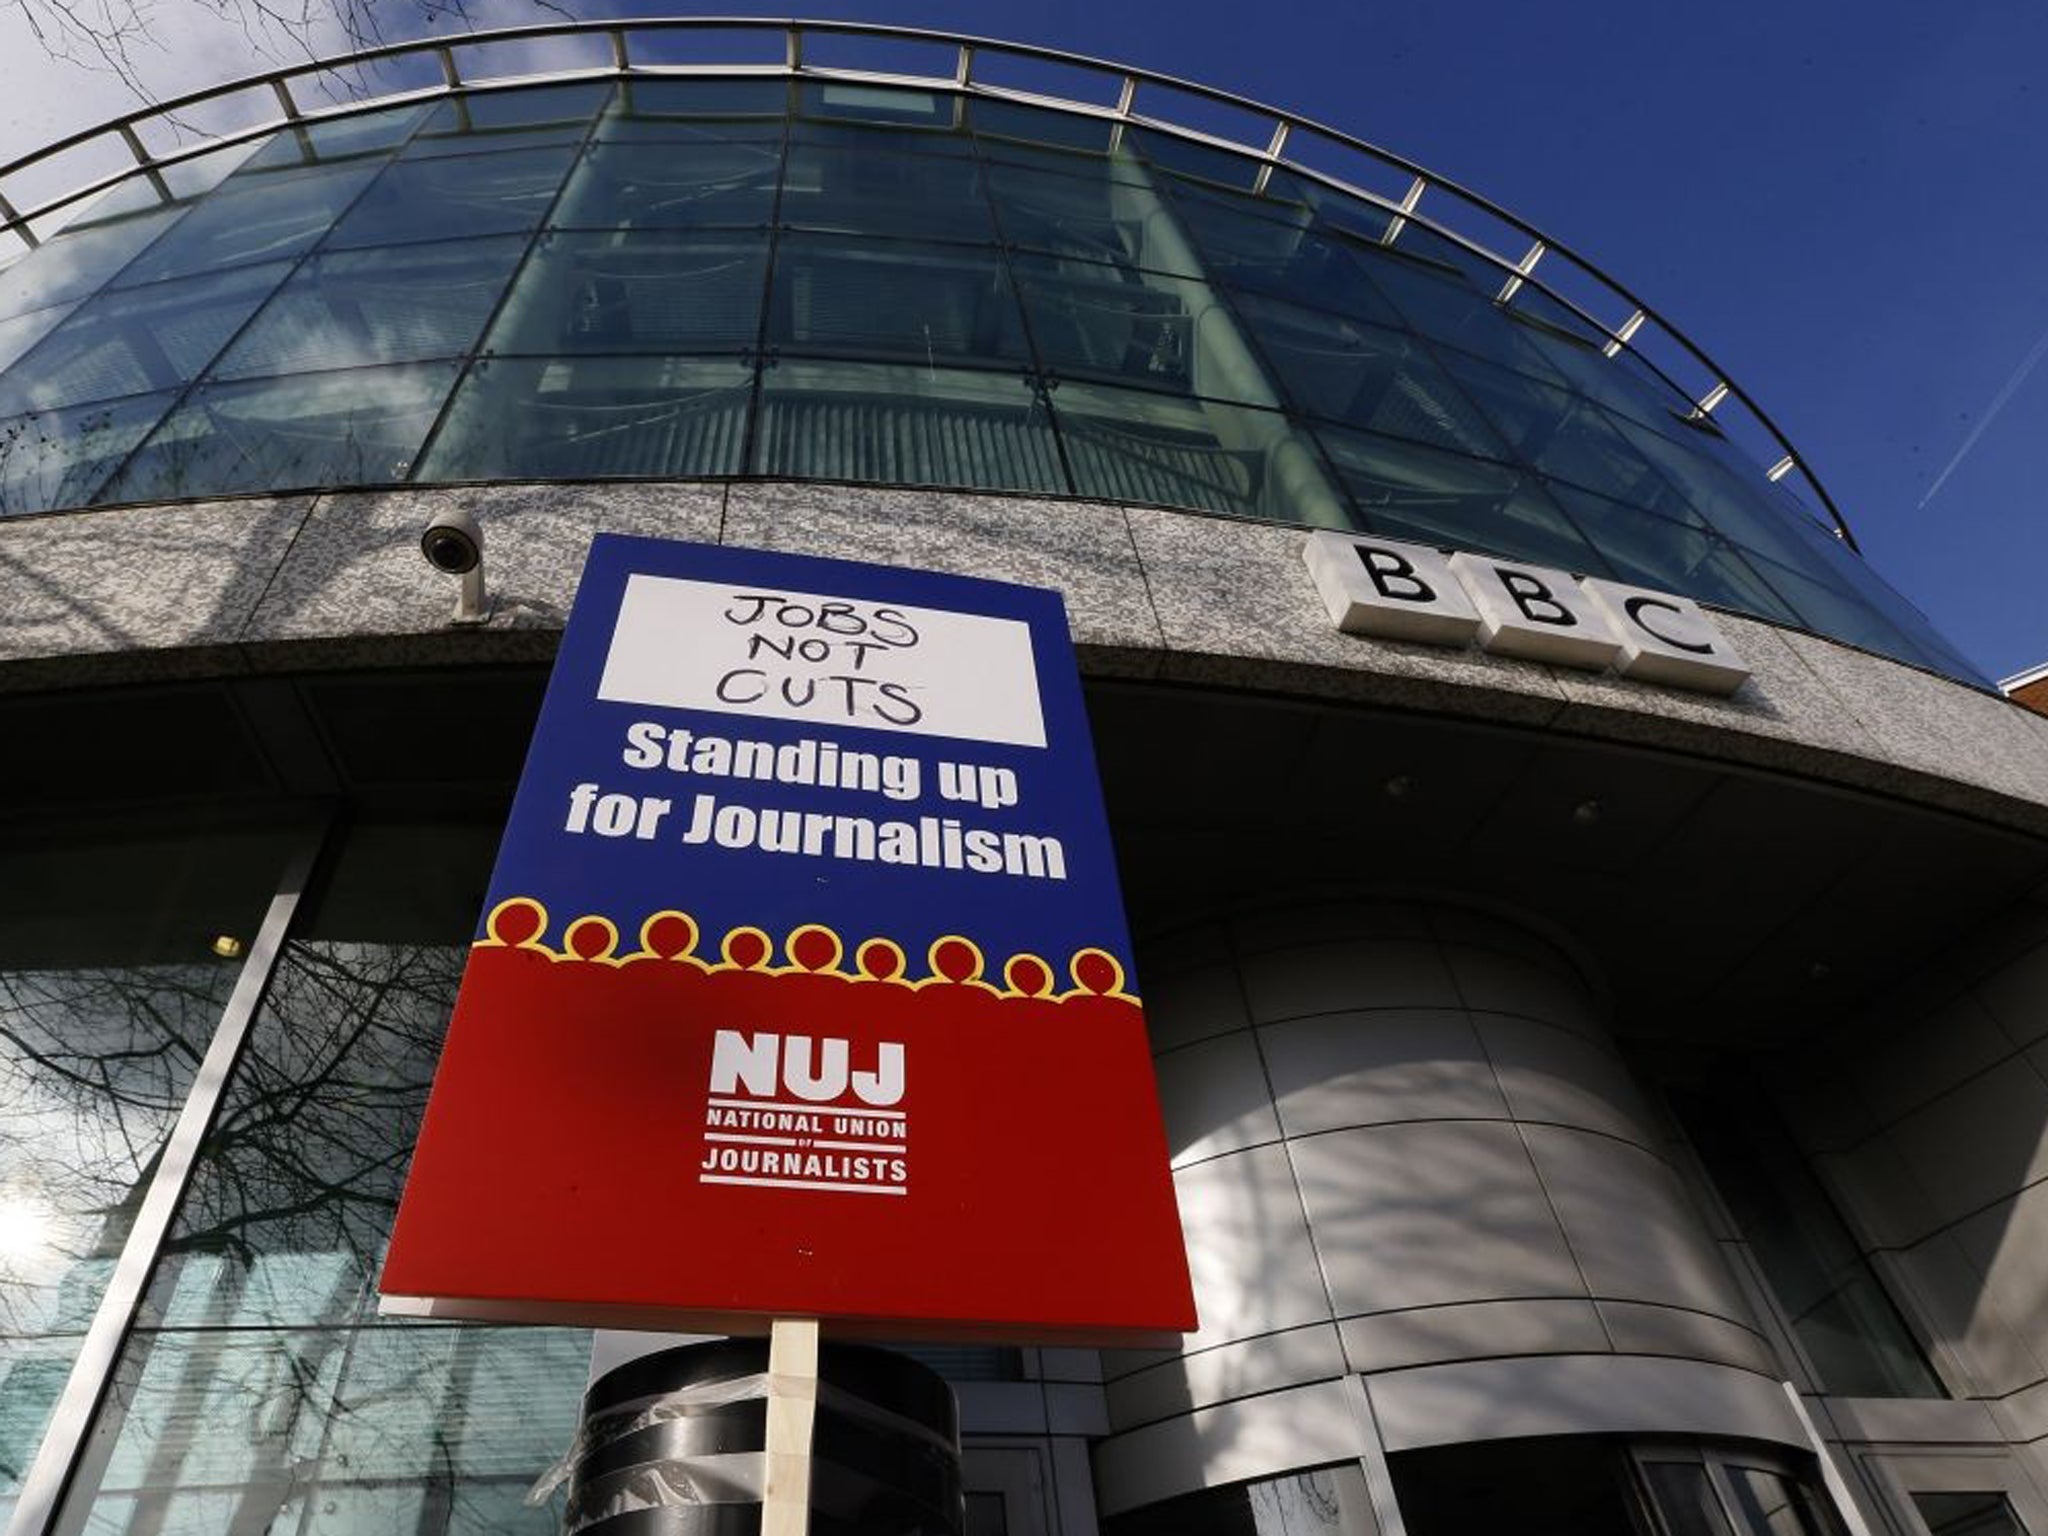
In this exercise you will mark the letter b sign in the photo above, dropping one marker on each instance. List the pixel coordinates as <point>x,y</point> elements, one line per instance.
<point>1387,588</point>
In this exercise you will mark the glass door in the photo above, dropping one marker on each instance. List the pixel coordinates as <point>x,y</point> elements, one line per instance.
<point>1745,1491</point>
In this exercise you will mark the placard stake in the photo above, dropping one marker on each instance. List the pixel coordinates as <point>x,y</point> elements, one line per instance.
<point>792,1412</point>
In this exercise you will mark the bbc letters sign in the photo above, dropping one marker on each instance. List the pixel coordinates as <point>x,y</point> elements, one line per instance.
<point>803,987</point>
<point>1401,591</point>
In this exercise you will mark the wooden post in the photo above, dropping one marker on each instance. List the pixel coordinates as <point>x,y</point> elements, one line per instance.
<point>792,1412</point>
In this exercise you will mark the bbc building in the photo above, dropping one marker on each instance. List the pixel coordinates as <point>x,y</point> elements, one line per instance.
<point>1599,1100</point>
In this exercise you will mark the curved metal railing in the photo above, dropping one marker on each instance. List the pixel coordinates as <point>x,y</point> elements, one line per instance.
<point>1272,139</point>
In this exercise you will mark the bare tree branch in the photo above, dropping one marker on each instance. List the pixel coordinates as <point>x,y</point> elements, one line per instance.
<point>122,39</point>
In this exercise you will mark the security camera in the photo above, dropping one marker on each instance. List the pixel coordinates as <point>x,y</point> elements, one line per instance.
<point>454,545</point>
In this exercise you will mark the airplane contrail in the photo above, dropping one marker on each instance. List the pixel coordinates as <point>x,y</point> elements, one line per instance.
<point>1998,403</point>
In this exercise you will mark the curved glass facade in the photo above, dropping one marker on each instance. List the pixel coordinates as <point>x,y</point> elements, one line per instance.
<point>255,1386</point>
<point>679,278</point>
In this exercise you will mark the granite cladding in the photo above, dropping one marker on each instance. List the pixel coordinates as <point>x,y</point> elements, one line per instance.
<point>336,581</point>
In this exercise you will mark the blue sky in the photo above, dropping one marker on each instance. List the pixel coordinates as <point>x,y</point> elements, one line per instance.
<point>1840,202</point>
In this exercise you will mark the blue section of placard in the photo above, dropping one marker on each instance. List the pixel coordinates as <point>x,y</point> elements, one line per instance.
<point>769,741</point>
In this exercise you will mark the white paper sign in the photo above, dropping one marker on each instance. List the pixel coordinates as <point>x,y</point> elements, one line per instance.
<point>812,657</point>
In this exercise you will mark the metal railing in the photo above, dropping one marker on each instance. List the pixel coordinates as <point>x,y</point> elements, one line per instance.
<point>1271,139</point>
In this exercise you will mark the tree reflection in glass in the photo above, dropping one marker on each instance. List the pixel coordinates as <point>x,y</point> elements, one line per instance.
<point>262,1393</point>
<point>109,997</point>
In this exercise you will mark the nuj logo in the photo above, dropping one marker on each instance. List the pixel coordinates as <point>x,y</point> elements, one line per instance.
<point>778,1115</point>
<point>810,1070</point>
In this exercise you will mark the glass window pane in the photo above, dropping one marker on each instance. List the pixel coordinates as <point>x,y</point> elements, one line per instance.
<point>1545,316</point>
<point>186,180</point>
<point>1120,167</point>
<point>109,995</point>
<point>1566,436</point>
<point>1454,313</point>
<point>1088,218</point>
<point>635,293</point>
<point>134,194</point>
<point>71,265</point>
<point>889,119</point>
<point>682,134</point>
<point>1829,578</point>
<point>683,126</point>
<point>251,219</point>
<point>342,138</point>
<point>565,137</point>
<point>32,1377</point>
<point>473,120</point>
<point>592,417</point>
<point>1129,446</point>
<point>289,1207</point>
<point>1967,1514</point>
<point>1010,130</point>
<point>878,139</point>
<point>1828,554</point>
<point>905,426</point>
<point>1407,491</point>
<point>931,197</point>
<point>1333,209</point>
<point>357,427</point>
<point>1857,1343</point>
<point>1622,383</point>
<point>291,1198</point>
<point>847,102</point>
<point>1235,232</point>
<point>1827,608</point>
<point>1108,322</point>
<point>1329,1501</point>
<point>1819,545</point>
<point>466,195</point>
<point>1459,265</point>
<point>137,340</point>
<point>1149,329</point>
<point>1738,502</point>
<point>656,186</point>
<point>1271,206</point>
<point>57,459</point>
<point>1685,1499</point>
<point>1170,153</point>
<point>1682,556</point>
<point>276,1399</point>
<point>1312,270</point>
<point>693,106</point>
<point>379,306</point>
<point>332,1431</point>
<point>1768,1503</point>
<point>20,332</point>
<point>1366,376</point>
<point>918,303</point>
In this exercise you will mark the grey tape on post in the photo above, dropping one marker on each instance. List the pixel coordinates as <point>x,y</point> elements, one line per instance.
<point>737,1477</point>
<point>641,1412</point>
<point>708,1478</point>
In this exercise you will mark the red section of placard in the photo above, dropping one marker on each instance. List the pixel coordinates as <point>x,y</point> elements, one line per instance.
<point>1014,1187</point>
